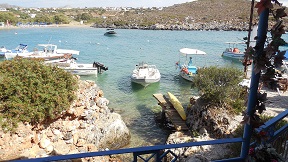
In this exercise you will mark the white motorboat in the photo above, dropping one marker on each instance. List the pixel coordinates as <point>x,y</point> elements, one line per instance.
<point>110,32</point>
<point>50,52</point>
<point>187,69</point>
<point>3,50</point>
<point>70,65</point>
<point>145,74</point>
<point>21,50</point>
<point>42,51</point>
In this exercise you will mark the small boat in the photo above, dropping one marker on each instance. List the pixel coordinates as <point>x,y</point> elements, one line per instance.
<point>110,32</point>
<point>21,50</point>
<point>42,51</point>
<point>50,52</point>
<point>232,52</point>
<point>70,65</point>
<point>145,74</point>
<point>3,50</point>
<point>187,69</point>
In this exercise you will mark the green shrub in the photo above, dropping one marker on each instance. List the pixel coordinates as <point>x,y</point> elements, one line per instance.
<point>219,85</point>
<point>32,92</point>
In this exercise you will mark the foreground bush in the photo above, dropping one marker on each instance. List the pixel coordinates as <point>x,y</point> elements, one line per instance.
<point>32,92</point>
<point>220,85</point>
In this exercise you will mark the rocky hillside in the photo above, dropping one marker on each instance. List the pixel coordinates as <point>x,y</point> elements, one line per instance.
<point>196,15</point>
<point>205,11</point>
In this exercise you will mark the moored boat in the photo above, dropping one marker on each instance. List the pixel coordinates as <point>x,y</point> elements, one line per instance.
<point>50,52</point>
<point>21,50</point>
<point>110,32</point>
<point>3,50</point>
<point>187,69</point>
<point>70,65</point>
<point>233,52</point>
<point>145,74</point>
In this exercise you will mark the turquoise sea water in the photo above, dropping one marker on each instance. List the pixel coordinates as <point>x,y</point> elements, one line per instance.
<point>121,53</point>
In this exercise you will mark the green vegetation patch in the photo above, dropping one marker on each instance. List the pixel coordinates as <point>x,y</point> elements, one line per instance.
<point>32,92</point>
<point>220,86</point>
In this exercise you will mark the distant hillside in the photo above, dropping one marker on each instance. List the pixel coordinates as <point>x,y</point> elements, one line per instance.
<point>213,10</point>
<point>196,15</point>
<point>5,5</point>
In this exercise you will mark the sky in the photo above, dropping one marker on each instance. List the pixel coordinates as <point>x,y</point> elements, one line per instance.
<point>93,3</point>
<point>100,3</point>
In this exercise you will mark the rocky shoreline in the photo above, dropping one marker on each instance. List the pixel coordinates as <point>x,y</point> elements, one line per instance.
<point>227,26</point>
<point>215,26</point>
<point>197,26</point>
<point>90,126</point>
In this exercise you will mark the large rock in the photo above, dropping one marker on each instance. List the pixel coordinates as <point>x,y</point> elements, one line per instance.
<point>216,122</point>
<point>203,153</point>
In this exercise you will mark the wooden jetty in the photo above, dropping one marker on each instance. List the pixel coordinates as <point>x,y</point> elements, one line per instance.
<point>169,110</point>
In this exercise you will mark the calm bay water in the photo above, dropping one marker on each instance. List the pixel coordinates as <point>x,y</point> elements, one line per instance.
<point>121,53</point>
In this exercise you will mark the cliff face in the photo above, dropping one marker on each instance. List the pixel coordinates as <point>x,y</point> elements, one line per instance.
<point>87,126</point>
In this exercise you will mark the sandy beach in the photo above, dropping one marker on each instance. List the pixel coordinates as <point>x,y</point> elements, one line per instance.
<point>71,24</point>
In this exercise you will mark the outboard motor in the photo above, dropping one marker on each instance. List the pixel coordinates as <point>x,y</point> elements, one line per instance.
<point>100,67</point>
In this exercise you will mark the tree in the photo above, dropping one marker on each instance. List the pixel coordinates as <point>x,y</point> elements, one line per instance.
<point>86,16</point>
<point>60,19</point>
<point>4,16</point>
<point>42,18</point>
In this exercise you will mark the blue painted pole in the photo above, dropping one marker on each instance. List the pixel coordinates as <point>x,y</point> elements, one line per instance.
<point>261,38</point>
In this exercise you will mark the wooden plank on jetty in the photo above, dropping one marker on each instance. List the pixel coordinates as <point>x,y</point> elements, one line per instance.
<point>163,101</point>
<point>171,112</point>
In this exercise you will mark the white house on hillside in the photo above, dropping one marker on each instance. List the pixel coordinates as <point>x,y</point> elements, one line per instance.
<point>3,9</point>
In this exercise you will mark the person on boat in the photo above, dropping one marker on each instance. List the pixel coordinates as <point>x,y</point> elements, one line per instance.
<point>190,61</point>
<point>185,70</point>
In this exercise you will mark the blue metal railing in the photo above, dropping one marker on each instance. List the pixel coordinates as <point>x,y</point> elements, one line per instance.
<point>278,138</point>
<point>138,151</point>
<point>157,151</point>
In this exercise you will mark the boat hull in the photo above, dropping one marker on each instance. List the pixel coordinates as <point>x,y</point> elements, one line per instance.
<point>82,72</point>
<point>10,55</point>
<point>80,69</point>
<point>144,81</point>
<point>232,55</point>
<point>73,67</point>
<point>188,77</point>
